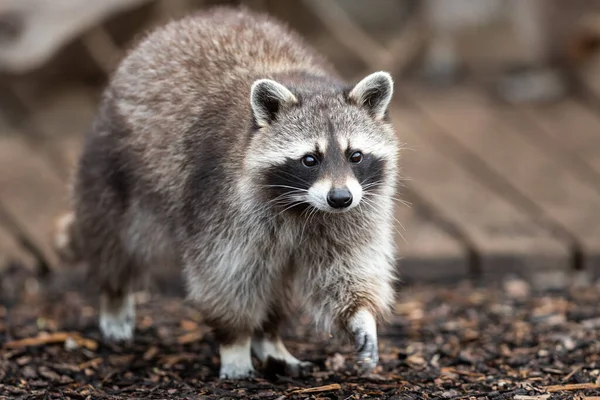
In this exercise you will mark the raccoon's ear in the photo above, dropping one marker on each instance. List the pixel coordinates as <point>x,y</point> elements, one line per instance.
<point>374,93</point>
<point>266,98</point>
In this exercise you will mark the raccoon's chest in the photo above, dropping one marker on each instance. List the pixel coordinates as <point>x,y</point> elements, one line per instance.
<point>257,246</point>
<point>329,244</point>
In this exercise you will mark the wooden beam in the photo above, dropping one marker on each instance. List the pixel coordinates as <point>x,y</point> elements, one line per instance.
<point>493,138</point>
<point>426,252</point>
<point>31,193</point>
<point>504,239</point>
<point>61,119</point>
<point>569,130</point>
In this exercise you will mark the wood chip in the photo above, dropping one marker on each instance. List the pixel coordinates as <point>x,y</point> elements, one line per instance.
<point>525,397</point>
<point>191,337</point>
<point>52,338</point>
<point>573,386</point>
<point>573,372</point>
<point>450,370</point>
<point>49,374</point>
<point>319,389</point>
<point>170,360</point>
<point>87,343</point>
<point>188,325</point>
<point>150,353</point>
<point>93,363</point>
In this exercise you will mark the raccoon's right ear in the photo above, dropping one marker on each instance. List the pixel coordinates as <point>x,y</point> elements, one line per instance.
<point>266,98</point>
<point>374,93</point>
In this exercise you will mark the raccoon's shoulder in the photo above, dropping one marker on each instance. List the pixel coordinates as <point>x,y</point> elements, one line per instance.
<point>206,63</point>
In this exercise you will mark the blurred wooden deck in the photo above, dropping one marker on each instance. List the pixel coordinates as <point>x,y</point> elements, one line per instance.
<point>494,189</point>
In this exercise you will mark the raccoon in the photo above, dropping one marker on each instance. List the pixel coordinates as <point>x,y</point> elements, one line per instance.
<point>226,146</point>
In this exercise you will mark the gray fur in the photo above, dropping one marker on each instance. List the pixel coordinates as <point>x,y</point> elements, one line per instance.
<point>173,173</point>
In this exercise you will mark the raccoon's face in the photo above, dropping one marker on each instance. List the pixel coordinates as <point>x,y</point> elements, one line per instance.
<point>329,151</point>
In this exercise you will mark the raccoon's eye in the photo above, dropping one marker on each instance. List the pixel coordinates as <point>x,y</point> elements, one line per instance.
<point>356,157</point>
<point>309,160</point>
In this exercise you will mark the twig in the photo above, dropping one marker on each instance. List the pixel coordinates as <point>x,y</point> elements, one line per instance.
<point>91,363</point>
<point>573,386</point>
<point>52,338</point>
<point>464,373</point>
<point>528,397</point>
<point>194,336</point>
<point>573,372</point>
<point>319,389</point>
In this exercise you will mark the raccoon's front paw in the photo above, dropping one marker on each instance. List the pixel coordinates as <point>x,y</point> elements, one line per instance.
<point>236,362</point>
<point>367,353</point>
<point>234,371</point>
<point>364,327</point>
<point>117,328</point>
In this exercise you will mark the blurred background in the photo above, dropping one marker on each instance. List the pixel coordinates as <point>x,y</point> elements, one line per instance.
<point>496,102</point>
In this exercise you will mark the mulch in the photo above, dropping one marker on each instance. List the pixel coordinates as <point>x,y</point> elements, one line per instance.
<point>456,341</point>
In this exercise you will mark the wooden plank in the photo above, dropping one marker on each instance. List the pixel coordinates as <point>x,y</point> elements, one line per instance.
<point>62,117</point>
<point>426,252</point>
<point>31,193</point>
<point>540,183</point>
<point>568,129</point>
<point>504,238</point>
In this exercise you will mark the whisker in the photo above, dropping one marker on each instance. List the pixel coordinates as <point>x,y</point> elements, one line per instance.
<point>292,205</point>
<point>285,187</point>
<point>373,205</point>
<point>394,198</point>
<point>282,198</point>
<point>311,213</point>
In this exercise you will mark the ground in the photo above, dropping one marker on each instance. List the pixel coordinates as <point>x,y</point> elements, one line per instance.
<point>449,342</point>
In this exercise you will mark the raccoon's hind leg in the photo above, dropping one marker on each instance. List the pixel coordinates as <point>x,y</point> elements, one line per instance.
<point>117,315</point>
<point>270,350</point>
<point>115,273</point>
<point>117,305</point>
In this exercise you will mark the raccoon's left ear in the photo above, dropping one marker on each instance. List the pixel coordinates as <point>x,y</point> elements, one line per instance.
<point>374,93</point>
<point>266,98</point>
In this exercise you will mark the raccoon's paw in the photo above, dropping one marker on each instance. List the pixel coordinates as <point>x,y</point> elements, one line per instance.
<point>236,371</point>
<point>117,318</point>
<point>117,328</point>
<point>364,327</point>
<point>236,362</point>
<point>277,359</point>
<point>292,368</point>
<point>367,353</point>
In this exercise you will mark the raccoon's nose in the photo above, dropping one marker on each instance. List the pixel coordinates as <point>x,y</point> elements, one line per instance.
<point>339,198</point>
